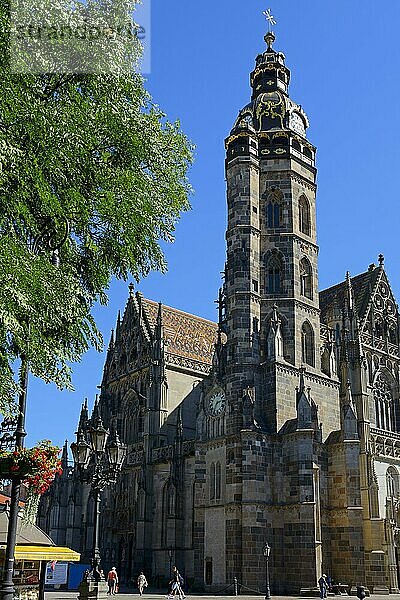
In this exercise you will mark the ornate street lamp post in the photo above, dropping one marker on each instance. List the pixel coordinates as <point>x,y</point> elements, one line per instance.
<point>266,552</point>
<point>49,240</point>
<point>98,458</point>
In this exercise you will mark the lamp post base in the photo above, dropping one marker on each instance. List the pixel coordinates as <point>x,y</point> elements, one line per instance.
<point>7,591</point>
<point>93,590</point>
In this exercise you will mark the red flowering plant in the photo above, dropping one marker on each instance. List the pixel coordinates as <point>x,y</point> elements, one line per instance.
<point>37,468</point>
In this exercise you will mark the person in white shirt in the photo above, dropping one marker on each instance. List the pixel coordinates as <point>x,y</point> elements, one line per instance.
<point>141,582</point>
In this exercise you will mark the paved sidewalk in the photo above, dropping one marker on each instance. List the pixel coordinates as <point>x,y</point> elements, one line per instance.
<point>63,595</point>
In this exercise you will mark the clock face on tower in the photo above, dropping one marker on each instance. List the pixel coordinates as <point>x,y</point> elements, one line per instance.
<point>216,403</point>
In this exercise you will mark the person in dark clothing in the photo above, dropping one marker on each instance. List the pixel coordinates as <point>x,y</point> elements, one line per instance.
<point>177,582</point>
<point>323,586</point>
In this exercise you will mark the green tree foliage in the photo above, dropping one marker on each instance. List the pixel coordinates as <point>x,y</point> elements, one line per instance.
<point>92,149</point>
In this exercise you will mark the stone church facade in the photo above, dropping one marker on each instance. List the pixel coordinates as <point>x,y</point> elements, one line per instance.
<point>280,423</point>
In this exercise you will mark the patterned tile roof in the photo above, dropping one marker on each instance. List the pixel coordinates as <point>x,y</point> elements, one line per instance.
<point>362,285</point>
<point>185,335</point>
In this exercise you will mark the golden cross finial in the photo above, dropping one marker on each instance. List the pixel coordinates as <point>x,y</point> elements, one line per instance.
<point>270,18</point>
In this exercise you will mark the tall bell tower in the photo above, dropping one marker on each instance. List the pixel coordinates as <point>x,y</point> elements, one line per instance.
<point>271,276</point>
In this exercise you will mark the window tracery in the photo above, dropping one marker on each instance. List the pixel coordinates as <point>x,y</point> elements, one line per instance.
<point>55,513</point>
<point>274,275</point>
<point>274,208</point>
<point>379,328</point>
<point>306,278</point>
<point>218,481</point>
<point>215,480</point>
<point>71,513</point>
<point>307,344</point>
<point>141,499</point>
<point>304,215</point>
<point>392,482</point>
<point>384,408</point>
<point>393,337</point>
<point>212,481</point>
<point>132,416</point>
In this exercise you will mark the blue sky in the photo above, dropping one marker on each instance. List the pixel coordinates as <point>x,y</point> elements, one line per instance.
<point>344,58</point>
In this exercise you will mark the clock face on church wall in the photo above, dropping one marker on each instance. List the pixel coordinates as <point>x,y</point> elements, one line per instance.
<point>216,403</point>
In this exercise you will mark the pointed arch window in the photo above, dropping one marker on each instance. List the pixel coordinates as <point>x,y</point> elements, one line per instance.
<point>379,328</point>
<point>215,481</point>
<point>55,514</point>
<point>274,209</point>
<point>307,344</point>
<point>392,482</point>
<point>141,421</point>
<point>304,215</point>
<point>218,481</point>
<point>392,332</point>
<point>141,502</point>
<point>274,275</point>
<point>306,278</point>
<point>71,513</point>
<point>384,405</point>
<point>212,481</point>
<point>171,500</point>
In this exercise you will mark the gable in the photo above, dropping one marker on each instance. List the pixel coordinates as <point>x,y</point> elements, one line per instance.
<point>186,336</point>
<point>364,287</point>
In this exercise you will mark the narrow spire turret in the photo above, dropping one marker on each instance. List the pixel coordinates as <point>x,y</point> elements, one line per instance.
<point>84,416</point>
<point>304,408</point>
<point>64,458</point>
<point>112,340</point>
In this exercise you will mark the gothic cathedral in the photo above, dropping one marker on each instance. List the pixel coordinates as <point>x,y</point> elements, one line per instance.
<point>280,423</point>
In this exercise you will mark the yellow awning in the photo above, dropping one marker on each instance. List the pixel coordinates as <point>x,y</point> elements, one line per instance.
<point>47,553</point>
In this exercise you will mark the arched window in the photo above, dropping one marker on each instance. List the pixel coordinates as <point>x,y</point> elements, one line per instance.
<point>274,275</point>
<point>215,481</point>
<point>141,500</point>
<point>306,278</point>
<point>392,482</point>
<point>71,513</point>
<point>274,208</point>
<point>141,421</point>
<point>384,406</point>
<point>218,481</point>
<point>55,513</point>
<point>130,406</point>
<point>307,344</point>
<point>379,328</point>
<point>337,334</point>
<point>171,500</point>
<point>392,333</point>
<point>212,481</point>
<point>304,215</point>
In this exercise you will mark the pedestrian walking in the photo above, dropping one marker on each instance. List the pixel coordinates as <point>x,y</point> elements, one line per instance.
<point>177,582</point>
<point>112,581</point>
<point>323,586</point>
<point>142,582</point>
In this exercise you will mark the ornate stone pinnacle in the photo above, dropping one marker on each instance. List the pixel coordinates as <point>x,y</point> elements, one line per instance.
<point>381,260</point>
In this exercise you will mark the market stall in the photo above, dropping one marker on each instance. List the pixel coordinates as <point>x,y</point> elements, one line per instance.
<point>33,550</point>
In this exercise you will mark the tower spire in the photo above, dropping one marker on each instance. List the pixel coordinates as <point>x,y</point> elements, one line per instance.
<point>84,416</point>
<point>64,457</point>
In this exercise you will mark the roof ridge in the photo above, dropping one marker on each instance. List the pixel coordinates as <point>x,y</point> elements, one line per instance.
<point>344,280</point>
<point>182,312</point>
